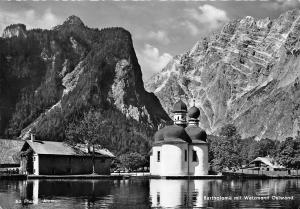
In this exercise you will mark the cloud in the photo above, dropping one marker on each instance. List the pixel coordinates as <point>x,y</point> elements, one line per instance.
<point>192,28</point>
<point>152,61</point>
<point>160,36</point>
<point>30,18</point>
<point>284,4</point>
<point>208,16</point>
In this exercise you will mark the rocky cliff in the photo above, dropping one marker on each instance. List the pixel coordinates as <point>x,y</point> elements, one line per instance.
<point>50,77</point>
<point>247,74</point>
<point>15,30</point>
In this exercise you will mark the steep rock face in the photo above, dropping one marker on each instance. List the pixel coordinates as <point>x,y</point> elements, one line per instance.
<point>50,77</point>
<point>247,74</point>
<point>18,30</point>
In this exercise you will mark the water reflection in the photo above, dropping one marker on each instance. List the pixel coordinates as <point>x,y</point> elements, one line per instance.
<point>146,193</point>
<point>81,194</point>
<point>209,193</point>
<point>36,191</point>
<point>185,193</point>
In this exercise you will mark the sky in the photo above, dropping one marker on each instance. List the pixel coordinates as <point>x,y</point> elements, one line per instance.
<point>160,29</point>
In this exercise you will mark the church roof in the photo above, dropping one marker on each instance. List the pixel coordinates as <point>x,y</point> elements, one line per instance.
<point>172,133</point>
<point>194,112</point>
<point>196,133</point>
<point>175,132</point>
<point>178,134</point>
<point>179,106</point>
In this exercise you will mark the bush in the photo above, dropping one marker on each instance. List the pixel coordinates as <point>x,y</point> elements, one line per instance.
<point>132,161</point>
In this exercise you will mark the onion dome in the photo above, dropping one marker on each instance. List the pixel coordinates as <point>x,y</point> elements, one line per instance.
<point>196,133</point>
<point>175,133</point>
<point>179,107</point>
<point>194,112</point>
<point>159,135</point>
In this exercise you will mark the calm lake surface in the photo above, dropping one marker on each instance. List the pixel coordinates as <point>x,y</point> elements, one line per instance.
<point>154,193</point>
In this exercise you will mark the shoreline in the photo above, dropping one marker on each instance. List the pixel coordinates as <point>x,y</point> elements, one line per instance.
<point>233,175</point>
<point>114,176</point>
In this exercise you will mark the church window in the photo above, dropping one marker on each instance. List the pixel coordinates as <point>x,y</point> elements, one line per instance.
<point>158,156</point>
<point>194,156</point>
<point>185,155</point>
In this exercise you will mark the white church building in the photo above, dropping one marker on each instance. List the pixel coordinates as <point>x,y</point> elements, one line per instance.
<point>180,149</point>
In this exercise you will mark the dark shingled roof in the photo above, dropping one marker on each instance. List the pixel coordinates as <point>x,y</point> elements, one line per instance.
<point>196,133</point>
<point>175,132</point>
<point>178,134</point>
<point>9,149</point>
<point>194,112</point>
<point>179,106</point>
<point>172,133</point>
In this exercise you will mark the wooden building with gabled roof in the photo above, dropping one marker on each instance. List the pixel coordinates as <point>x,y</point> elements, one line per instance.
<point>265,164</point>
<point>59,158</point>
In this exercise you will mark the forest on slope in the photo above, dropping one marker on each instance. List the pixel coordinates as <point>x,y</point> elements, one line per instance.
<point>51,78</point>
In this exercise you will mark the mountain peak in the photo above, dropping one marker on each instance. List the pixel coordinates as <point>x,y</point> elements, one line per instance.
<point>237,75</point>
<point>73,20</point>
<point>14,30</point>
<point>76,68</point>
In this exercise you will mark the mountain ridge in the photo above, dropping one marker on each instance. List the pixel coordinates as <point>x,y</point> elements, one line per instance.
<point>50,77</point>
<point>247,74</point>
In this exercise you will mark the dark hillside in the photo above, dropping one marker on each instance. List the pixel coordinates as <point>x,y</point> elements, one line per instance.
<point>51,77</point>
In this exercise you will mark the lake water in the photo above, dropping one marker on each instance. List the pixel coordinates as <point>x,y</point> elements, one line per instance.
<point>154,193</point>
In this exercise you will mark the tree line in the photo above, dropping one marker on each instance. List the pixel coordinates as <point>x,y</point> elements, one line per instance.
<point>229,150</point>
<point>131,142</point>
<point>128,139</point>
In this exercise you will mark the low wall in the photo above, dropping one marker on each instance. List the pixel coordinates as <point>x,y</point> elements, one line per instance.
<point>269,173</point>
<point>250,173</point>
<point>13,177</point>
